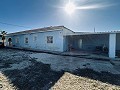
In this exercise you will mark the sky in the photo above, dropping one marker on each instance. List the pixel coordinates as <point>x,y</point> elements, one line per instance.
<point>19,15</point>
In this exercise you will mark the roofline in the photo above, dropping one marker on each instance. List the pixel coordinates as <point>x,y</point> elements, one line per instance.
<point>31,30</point>
<point>68,29</point>
<point>94,33</point>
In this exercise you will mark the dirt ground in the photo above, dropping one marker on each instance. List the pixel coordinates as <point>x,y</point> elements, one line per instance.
<point>25,70</point>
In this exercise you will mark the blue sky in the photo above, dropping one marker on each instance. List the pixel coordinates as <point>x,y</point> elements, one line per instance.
<point>42,13</point>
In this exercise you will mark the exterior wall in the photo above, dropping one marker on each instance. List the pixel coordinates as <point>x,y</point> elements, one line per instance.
<point>67,32</point>
<point>41,41</point>
<point>66,40</point>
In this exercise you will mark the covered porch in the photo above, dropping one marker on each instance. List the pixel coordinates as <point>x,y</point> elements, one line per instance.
<point>105,44</point>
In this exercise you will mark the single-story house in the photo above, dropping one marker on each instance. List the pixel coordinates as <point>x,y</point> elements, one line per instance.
<point>48,38</point>
<point>60,38</point>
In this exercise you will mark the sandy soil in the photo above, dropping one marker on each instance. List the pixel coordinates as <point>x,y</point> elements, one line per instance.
<point>72,82</point>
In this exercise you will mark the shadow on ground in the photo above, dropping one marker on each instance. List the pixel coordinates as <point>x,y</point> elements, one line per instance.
<point>39,76</point>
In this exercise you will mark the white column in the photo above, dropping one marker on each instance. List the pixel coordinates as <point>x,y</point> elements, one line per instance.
<point>112,45</point>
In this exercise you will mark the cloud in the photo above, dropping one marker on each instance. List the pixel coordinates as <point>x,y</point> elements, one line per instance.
<point>90,4</point>
<point>95,6</point>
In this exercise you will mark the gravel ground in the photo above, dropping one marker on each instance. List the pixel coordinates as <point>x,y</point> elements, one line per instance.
<point>5,84</point>
<point>72,82</point>
<point>68,63</point>
<point>25,70</point>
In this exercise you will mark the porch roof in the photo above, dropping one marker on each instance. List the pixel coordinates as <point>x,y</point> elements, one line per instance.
<point>92,33</point>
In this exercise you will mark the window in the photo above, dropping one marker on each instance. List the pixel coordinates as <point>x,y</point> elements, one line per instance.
<point>26,40</point>
<point>35,38</point>
<point>49,39</point>
<point>17,40</point>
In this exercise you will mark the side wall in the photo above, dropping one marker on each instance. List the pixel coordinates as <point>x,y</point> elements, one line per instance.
<point>65,39</point>
<point>41,41</point>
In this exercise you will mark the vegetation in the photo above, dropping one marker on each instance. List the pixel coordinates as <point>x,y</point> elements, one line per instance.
<point>3,33</point>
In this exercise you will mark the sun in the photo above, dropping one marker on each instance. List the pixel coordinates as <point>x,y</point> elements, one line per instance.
<point>70,8</point>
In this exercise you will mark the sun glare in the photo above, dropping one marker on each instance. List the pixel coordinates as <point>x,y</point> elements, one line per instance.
<point>70,8</point>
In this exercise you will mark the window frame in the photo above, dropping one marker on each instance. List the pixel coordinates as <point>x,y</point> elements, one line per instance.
<point>34,40</point>
<point>27,40</point>
<point>49,39</point>
<point>17,40</point>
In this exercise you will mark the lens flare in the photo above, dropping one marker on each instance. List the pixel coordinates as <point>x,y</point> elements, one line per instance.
<point>70,8</point>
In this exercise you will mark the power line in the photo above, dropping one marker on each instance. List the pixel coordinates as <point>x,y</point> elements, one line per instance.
<point>13,25</point>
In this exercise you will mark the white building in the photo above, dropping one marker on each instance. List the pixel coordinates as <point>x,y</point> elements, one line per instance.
<point>48,38</point>
<point>60,38</point>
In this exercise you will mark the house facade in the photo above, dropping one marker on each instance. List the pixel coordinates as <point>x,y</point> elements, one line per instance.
<point>60,38</point>
<point>48,38</point>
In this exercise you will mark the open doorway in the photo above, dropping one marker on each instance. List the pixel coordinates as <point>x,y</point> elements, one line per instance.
<point>9,41</point>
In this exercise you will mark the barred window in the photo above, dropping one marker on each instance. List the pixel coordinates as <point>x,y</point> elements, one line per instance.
<point>26,40</point>
<point>49,39</point>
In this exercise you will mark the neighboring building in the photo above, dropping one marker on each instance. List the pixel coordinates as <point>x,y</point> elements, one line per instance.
<point>60,38</point>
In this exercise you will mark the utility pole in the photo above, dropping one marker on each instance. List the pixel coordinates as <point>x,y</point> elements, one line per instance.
<point>94,29</point>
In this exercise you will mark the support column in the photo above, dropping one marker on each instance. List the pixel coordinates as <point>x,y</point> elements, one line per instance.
<point>112,45</point>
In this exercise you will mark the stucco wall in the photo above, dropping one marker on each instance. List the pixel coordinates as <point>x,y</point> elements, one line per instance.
<point>66,40</point>
<point>41,41</point>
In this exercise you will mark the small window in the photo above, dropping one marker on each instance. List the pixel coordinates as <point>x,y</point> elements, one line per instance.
<point>26,40</point>
<point>49,39</point>
<point>35,38</point>
<point>17,40</point>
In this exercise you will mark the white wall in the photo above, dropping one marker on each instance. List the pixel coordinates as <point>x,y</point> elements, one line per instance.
<point>112,45</point>
<point>66,39</point>
<point>41,42</point>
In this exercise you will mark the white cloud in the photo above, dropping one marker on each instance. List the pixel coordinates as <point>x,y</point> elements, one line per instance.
<point>95,6</point>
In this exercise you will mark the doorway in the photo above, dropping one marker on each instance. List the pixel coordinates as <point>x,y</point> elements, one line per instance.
<point>9,42</point>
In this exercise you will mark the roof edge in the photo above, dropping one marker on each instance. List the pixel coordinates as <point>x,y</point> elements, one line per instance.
<point>50,28</point>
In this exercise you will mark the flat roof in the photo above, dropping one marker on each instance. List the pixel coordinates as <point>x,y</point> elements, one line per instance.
<point>91,33</point>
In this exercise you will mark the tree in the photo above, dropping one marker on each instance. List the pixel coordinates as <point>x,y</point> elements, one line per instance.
<point>3,33</point>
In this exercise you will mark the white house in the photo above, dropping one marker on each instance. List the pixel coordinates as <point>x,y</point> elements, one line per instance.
<point>60,38</point>
<point>48,38</point>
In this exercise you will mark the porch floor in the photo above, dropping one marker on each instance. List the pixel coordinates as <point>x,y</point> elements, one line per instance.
<point>89,54</point>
